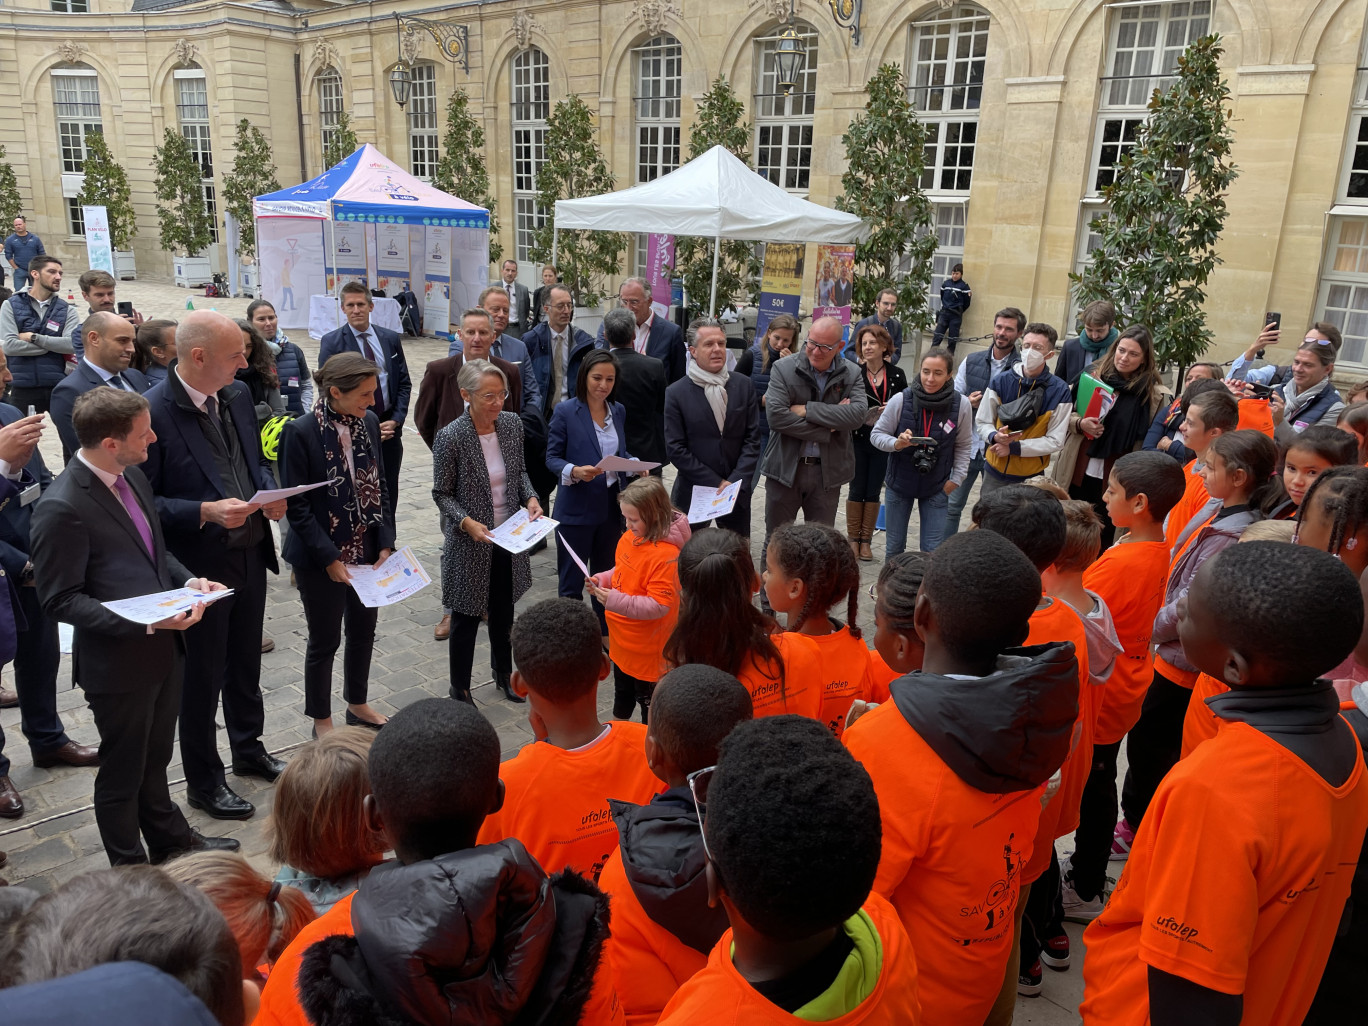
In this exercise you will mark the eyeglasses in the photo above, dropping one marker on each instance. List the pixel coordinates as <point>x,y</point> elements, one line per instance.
<point>699,781</point>
<point>492,397</point>
<point>820,347</point>
<point>561,306</point>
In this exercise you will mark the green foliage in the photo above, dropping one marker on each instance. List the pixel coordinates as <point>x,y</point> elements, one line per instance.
<point>462,170</point>
<point>1167,211</point>
<point>575,168</point>
<point>106,184</point>
<point>185,224</point>
<point>253,174</point>
<point>885,149</point>
<point>342,143</point>
<point>11,204</point>
<point>720,122</point>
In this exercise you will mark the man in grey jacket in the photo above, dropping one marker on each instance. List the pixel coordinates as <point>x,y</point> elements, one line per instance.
<point>813,404</point>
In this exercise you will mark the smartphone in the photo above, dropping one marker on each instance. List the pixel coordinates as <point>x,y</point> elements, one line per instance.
<point>125,309</point>
<point>1260,391</point>
<point>921,440</point>
<point>1272,318</point>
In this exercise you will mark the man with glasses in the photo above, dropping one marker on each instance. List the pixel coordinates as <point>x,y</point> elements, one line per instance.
<point>1309,396</point>
<point>655,336</point>
<point>554,350</point>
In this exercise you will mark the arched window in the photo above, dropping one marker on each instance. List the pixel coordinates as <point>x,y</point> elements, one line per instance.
<point>655,99</point>
<point>192,111</point>
<point>783,121</point>
<point>531,105</point>
<point>76,98</point>
<point>329,105</point>
<point>422,122</point>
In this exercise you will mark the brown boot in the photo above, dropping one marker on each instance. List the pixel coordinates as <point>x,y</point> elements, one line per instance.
<point>871,520</point>
<point>855,524</point>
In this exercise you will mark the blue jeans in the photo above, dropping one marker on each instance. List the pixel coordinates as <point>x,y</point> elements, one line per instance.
<point>898,511</point>
<point>959,498</point>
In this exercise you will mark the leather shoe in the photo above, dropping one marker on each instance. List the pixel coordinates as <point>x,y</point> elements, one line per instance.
<point>198,842</point>
<point>11,805</point>
<point>8,699</point>
<point>267,645</point>
<point>501,681</point>
<point>70,754</point>
<point>265,766</point>
<point>356,721</point>
<point>443,629</point>
<point>221,803</point>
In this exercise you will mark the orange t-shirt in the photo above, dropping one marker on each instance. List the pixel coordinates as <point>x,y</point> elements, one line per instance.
<point>647,962</point>
<point>1058,622</point>
<point>280,997</point>
<point>798,691</point>
<point>881,677</point>
<point>720,996</point>
<point>1255,415</point>
<point>1236,881</point>
<point>843,665</point>
<point>1194,498</point>
<point>1200,723</point>
<point>1131,578</point>
<point>952,862</point>
<point>643,568</point>
<point>556,801</point>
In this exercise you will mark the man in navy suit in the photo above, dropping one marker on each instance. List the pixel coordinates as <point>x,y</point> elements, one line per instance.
<point>204,467</point>
<point>519,299</point>
<point>494,301</point>
<point>381,346</point>
<point>655,336</point>
<point>108,342</point>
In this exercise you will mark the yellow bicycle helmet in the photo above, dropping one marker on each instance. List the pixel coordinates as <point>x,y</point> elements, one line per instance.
<point>270,437</point>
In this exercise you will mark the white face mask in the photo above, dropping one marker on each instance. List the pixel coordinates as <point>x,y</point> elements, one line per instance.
<point>1032,361</point>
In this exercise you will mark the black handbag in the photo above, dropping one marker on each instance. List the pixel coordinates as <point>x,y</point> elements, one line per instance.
<point>1022,411</point>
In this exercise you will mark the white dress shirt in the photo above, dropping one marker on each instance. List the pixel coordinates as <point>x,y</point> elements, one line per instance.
<point>643,333</point>
<point>106,375</point>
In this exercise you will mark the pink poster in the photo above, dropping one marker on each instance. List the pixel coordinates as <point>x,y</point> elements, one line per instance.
<point>660,255</point>
<point>835,269</point>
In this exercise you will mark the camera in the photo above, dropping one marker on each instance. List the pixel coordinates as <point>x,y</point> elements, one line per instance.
<point>923,456</point>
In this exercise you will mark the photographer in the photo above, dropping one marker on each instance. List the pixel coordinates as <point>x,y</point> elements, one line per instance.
<point>929,430</point>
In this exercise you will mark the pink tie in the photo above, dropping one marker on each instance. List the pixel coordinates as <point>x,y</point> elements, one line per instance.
<point>135,512</point>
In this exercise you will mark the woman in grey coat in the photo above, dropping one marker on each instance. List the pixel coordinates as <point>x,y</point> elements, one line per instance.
<point>479,480</point>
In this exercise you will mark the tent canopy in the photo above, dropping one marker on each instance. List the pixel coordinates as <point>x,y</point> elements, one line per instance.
<point>369,187</point>
<point>715,195</point>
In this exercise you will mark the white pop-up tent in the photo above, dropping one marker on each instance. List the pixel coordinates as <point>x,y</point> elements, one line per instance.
<point>717,196</point>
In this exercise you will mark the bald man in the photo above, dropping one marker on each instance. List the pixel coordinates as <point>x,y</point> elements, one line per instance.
<point>108,342</point>
<point>204,467</point>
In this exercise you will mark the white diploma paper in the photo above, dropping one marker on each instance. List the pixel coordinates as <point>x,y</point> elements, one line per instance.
<point>618,465</point>
<point>519,533</point>
<point>707,502</point>
<point>150,609</point>
<point>269,495</point>
<point>392,581</point>
<point>560,541</point>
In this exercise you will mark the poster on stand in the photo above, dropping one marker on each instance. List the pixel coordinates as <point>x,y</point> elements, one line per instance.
<point>469,268</point>
<point>781,282</point>
<point>436,296</point>
<point>99,252</point>
<point>660,258</point>
<point>349,243</point>
<point>392,258</point>
<point>835,271</point>
<point>291,253</point>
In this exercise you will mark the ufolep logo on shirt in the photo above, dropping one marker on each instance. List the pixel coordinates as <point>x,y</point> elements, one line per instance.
<point>593,821</point>
<point>1178,930</point>
<point>1292,895</point>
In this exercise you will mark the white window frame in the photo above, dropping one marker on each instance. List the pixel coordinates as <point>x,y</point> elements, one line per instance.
<point>1342,299</point>
<point>531,95</point>
<point>946,54</point>
<point>784,123</point>
<point>192,113</point>
<point>657,85</point>
<point>77,108</point>
<point>331,103</point>
<point>423,127</point>
<point>70,7</point>
<point>1356,140</point>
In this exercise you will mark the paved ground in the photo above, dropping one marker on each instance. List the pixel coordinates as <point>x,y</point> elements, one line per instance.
<point>57,838</point>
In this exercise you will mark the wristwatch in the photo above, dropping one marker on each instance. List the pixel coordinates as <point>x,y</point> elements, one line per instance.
<point>25,576</point>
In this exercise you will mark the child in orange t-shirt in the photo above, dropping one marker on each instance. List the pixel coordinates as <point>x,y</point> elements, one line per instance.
<point>1210,415</point>
<point>1130,577</point>
<point>808,569</point>
<point>663,927</point>
<point>792,830</point>
<point>640,595</point>
<point>556,789</point>
<point>1238,877</point>
<point>896,592</point>
<point>720,626</point>
<point>959,758</point>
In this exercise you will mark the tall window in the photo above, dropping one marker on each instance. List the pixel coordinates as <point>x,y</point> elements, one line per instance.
<point>192,110</point>
<point>1343,298</point>
<point>656,88</point>
<point>422,122</point>
<point>76,97</point>
<point>329,105</point>
<point>783,122</point>
<point>531,105</point>
<point>947,56</point>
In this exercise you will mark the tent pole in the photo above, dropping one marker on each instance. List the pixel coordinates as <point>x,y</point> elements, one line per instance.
<point>555,243</point>
<point>712,299</point>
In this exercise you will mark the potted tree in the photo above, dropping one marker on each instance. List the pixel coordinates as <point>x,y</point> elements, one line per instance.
<point>253,175</point>
<point>106,184</point>
<point>11,203</point>
<point>186,229</point>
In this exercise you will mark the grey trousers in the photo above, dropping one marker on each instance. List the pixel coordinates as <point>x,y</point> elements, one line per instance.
<point>807,494</point>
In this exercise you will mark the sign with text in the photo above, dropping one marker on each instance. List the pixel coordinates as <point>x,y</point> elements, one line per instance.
<point>835,271</point>
<point>99,251</point>
<point>781,283</point>
<point>660,257</point>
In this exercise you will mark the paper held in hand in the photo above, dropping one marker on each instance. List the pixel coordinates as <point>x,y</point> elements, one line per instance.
<point>394,580</point>
<point>707,502</point>
<point>519,532</point>
<point>618,465</point>
<point>562,543</point>
<point>150,609</point>
<point>269,495</point>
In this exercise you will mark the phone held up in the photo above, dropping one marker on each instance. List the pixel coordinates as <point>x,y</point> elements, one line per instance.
<point>1271,318</point>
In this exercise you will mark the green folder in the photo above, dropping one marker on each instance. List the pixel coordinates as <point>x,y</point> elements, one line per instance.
<point>1095,398</point>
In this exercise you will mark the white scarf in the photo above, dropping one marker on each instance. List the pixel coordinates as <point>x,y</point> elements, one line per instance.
<point>714,388</point>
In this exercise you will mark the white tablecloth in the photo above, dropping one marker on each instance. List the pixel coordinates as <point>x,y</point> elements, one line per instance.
<point>325,314</point>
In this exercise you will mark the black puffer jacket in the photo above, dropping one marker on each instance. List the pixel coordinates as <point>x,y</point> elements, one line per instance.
<point>475,936</point>
<point>1005,732</point>
<point>663,858</point>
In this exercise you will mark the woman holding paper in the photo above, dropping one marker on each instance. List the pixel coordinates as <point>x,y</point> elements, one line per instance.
<point>349,523</point>
<point>479,480</point>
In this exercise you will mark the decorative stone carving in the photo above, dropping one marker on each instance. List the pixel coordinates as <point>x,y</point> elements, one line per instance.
<point>325,55</point>
<point>653,14</point>
<point>410,44</point>
<point>778,8</point>
<point>186,51</point>
<point>71,52</point>
<point>523,25</point>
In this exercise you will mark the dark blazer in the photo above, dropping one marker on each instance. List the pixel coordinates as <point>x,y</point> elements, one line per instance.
<point>87,551</point>
<point>701,454</point>
<point>76,384</point>
<point>520,309</point>
<point>539,305</point>
<point>394,404</point>
<point>538,342</point>
<point>11,614</point>
<point>666,344</point>
<point>308,542</point>
<point>439,396</point>
<point>180,467</point>
<point>571,441</point>
<point>15,520</point>
<point>640,388</point>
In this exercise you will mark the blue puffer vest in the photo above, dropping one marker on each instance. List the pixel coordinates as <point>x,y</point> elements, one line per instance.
<point>902,477</point>
<point>290,370</point>
<point>47,369</point>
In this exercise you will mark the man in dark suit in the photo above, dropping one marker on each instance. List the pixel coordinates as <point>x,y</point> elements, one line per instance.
<point>519,300</point>
<point>655,336</point>
<point>381,346</point>
<point>205,466</point>
<point>710,446</point>
<point>96,538</point>
<point>640,387</point>
<point>108,342</point>
<point>494,301</point>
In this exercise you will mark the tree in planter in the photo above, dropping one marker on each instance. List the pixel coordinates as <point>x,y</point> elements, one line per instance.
<point>342,143</point>
<point>253,175</point>
<point>462,170</point>
<point>574,168</point>
<point>885,148</point>
<point>185,224</point>
<point>720,122</point>
<point>106,184</point>
<point>1167,210</point>
<point>11,204</point>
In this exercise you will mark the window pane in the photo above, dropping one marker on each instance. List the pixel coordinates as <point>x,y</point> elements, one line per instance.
<point>424,150</point>
<point>948,56</point>
<point>656,92</point>
<point>770,100</point>
<point>531,105</point>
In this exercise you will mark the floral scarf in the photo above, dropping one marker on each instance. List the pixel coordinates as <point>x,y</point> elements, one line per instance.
<point>349,515</point>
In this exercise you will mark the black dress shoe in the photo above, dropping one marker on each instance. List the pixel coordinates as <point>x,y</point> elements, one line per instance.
<point>265,766</point>
<point>221,803</point>
<point>198,842</point>
<point>11,805</point>
<point>356,721</point>
<point>501,681</point>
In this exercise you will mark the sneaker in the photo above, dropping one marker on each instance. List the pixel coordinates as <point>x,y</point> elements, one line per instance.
<point>1030,980</point>
<point>1077,910</point>
<point>1055,952</point>
<point>1122,839</point>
